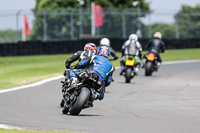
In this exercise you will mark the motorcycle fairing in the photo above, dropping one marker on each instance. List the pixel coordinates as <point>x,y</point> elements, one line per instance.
<point>130,61</point>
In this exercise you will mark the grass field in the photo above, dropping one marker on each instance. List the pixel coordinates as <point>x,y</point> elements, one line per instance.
<point>16,71</point>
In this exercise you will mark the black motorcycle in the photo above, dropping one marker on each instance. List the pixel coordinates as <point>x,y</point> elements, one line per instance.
<point>82,94</point>
<point>151,64</point>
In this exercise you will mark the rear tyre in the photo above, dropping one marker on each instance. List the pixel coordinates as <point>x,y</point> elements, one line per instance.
<point>128,75</point>
<point>80,101</point>
<point>148,69</point>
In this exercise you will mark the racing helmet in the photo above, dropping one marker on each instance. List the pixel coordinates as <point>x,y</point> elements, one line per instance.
<point>90,47</point>
<point>133,37</point>
<point>157,35</point>
<point>104,51</point>
<point>105,42</point>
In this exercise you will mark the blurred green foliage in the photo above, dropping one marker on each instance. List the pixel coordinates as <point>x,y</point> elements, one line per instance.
<point>167,30</point>
<point>187,22</point>
<point>59,26</point>
<point>7,36</point>
<point>70,4</point>
<point>188,19</point>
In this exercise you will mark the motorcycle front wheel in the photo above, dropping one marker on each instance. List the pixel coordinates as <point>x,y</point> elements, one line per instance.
<point>81,100</point>
<point>62,103</point>
<point>65,109</point>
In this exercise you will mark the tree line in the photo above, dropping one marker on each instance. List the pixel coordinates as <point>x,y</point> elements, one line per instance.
<point>59,27</point>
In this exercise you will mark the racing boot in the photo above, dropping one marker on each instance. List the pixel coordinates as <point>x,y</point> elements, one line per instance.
<point>136,71</point>
<point>122,71</point>
<point>143,63</point>
<point>158,65</point>
<point>99,96</point>
<point>122,68</point>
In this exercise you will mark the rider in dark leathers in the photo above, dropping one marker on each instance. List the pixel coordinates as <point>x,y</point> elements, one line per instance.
<point>155,45</point>
<point>89,50</point>
<point>106,42</point>
<point>99,64</point>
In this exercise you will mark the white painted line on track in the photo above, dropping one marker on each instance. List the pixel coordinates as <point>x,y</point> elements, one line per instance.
<point>59,77</point>
<point>9,127</point>
<point>32,85</point>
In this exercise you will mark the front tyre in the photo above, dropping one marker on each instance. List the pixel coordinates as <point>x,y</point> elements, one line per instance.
<point>148,69</point>
<point>128,75</point>
<point>80,101</point>
<point>65,109</point>
<point>62,103</point>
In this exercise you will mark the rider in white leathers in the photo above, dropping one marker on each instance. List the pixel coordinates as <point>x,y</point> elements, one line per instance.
<point>131,47</point>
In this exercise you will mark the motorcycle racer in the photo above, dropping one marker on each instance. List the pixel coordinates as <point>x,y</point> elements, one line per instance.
<point>155,45</point>
<point>89,50</point>
<point>131,47</point>
<point>100,65</point>
<point>106,42</point>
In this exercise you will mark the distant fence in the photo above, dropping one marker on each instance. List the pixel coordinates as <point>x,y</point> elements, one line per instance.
<point>70,46</point>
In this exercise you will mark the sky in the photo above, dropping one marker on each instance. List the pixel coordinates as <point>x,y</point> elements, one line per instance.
<point>158,6</point>
<point>164,10</point>
<point>171,5</point>
<point>17,4</point>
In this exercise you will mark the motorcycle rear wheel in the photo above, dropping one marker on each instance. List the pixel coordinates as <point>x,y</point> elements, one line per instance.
<point>80,101</point>
<point>128,75</point>
<point>148,69</point>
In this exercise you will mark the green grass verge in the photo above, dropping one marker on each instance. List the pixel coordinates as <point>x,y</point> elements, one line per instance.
<point>16,71</point>
<point>27,131</point>
<point>172,55</point>
<point>184,54</point>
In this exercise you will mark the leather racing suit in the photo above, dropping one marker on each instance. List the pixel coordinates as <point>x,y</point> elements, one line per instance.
<point>99,65</point>
<point>133,48</point>
<point>155,46</point>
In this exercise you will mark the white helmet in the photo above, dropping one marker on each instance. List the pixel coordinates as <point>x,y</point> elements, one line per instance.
<point>133,37</point>
<point>105,42</point>
<point>157,35</point>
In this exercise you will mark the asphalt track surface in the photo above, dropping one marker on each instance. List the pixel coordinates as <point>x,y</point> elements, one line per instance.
<point>167,102</point>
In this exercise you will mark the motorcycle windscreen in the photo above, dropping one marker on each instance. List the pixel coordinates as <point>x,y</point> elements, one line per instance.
<point>150,56</point>
<point>130,62</point>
